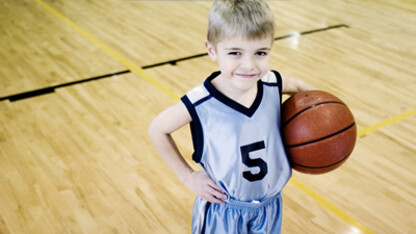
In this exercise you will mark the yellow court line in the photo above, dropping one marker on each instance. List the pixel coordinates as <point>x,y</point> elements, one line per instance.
<point>329,206</point>
<point>386,122</point>
<point>107,49</point>
<point>318,198</point>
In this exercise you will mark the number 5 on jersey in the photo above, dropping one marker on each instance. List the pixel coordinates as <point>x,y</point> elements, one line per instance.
<point>257,162</point>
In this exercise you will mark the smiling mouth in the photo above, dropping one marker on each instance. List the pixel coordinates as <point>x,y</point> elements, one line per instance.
<point>247,75</point>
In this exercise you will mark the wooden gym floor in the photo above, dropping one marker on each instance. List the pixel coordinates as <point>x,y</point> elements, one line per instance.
<point>80,82</point>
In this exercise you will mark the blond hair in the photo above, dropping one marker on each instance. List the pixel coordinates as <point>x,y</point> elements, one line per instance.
<point>251,19</point>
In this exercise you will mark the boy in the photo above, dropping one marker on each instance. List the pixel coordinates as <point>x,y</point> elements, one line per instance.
<point>235,122</point>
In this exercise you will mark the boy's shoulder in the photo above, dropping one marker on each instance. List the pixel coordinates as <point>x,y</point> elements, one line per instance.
<point>272,78</point>
<point>197,94</point>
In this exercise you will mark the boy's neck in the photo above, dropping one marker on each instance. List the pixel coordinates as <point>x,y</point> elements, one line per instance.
<point>243,97</point>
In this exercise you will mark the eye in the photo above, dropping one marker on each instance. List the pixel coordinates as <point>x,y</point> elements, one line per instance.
<point>261,53</point>
<point>234,53</point>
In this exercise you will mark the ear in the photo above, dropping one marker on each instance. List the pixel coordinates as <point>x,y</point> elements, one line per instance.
<point>211,50</point>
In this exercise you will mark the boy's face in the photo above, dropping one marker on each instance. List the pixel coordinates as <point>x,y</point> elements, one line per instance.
<point>243,62</point>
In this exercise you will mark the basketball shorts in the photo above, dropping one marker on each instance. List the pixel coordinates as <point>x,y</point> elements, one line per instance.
<point>238,217</point>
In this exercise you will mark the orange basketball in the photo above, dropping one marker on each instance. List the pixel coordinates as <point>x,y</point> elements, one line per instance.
<point>319,131</point>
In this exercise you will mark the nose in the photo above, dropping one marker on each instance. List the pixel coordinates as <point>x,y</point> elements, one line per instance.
<point>247,63</point>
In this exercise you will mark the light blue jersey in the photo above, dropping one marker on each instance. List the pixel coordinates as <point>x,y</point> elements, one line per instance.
<point>240,148</point>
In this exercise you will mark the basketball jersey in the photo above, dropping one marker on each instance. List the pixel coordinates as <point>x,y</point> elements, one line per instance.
<point>240,148</point>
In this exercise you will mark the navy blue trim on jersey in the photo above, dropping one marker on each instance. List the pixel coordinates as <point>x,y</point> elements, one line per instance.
<point>196,130</point>
<point>202,100</point>
<point>279,83</point>
<point>231,103</point>
<point>205,217</point>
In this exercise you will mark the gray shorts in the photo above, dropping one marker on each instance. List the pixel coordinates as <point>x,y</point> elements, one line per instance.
<point>238,217</point>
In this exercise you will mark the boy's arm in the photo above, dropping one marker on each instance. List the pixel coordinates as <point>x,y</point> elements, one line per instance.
<point>292,85</point>
<point>160,131</point>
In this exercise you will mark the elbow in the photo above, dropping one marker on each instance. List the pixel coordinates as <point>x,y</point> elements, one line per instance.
<point>152,130</point>
<point>156,130</point>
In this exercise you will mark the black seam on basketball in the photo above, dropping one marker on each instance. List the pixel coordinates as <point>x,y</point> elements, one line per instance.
<point>322,138</point>
<point>321,167</point>
<point>310,107</point>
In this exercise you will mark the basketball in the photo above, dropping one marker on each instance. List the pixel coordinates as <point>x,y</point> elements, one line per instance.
<point>319,131</point>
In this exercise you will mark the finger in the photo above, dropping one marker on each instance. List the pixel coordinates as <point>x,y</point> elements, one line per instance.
<point>210,197</point>
<point>213,199</point>
<point>216,193</point>
<point>213,185</point>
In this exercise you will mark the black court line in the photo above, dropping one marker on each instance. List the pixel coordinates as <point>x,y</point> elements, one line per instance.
<point>173,62</point>
<point>312,31</point>
<point>42,91</point>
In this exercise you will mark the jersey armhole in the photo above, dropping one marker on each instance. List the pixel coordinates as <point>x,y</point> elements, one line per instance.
<point>279,83</point>
<point>280,86</point>
<point>196,130</point>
